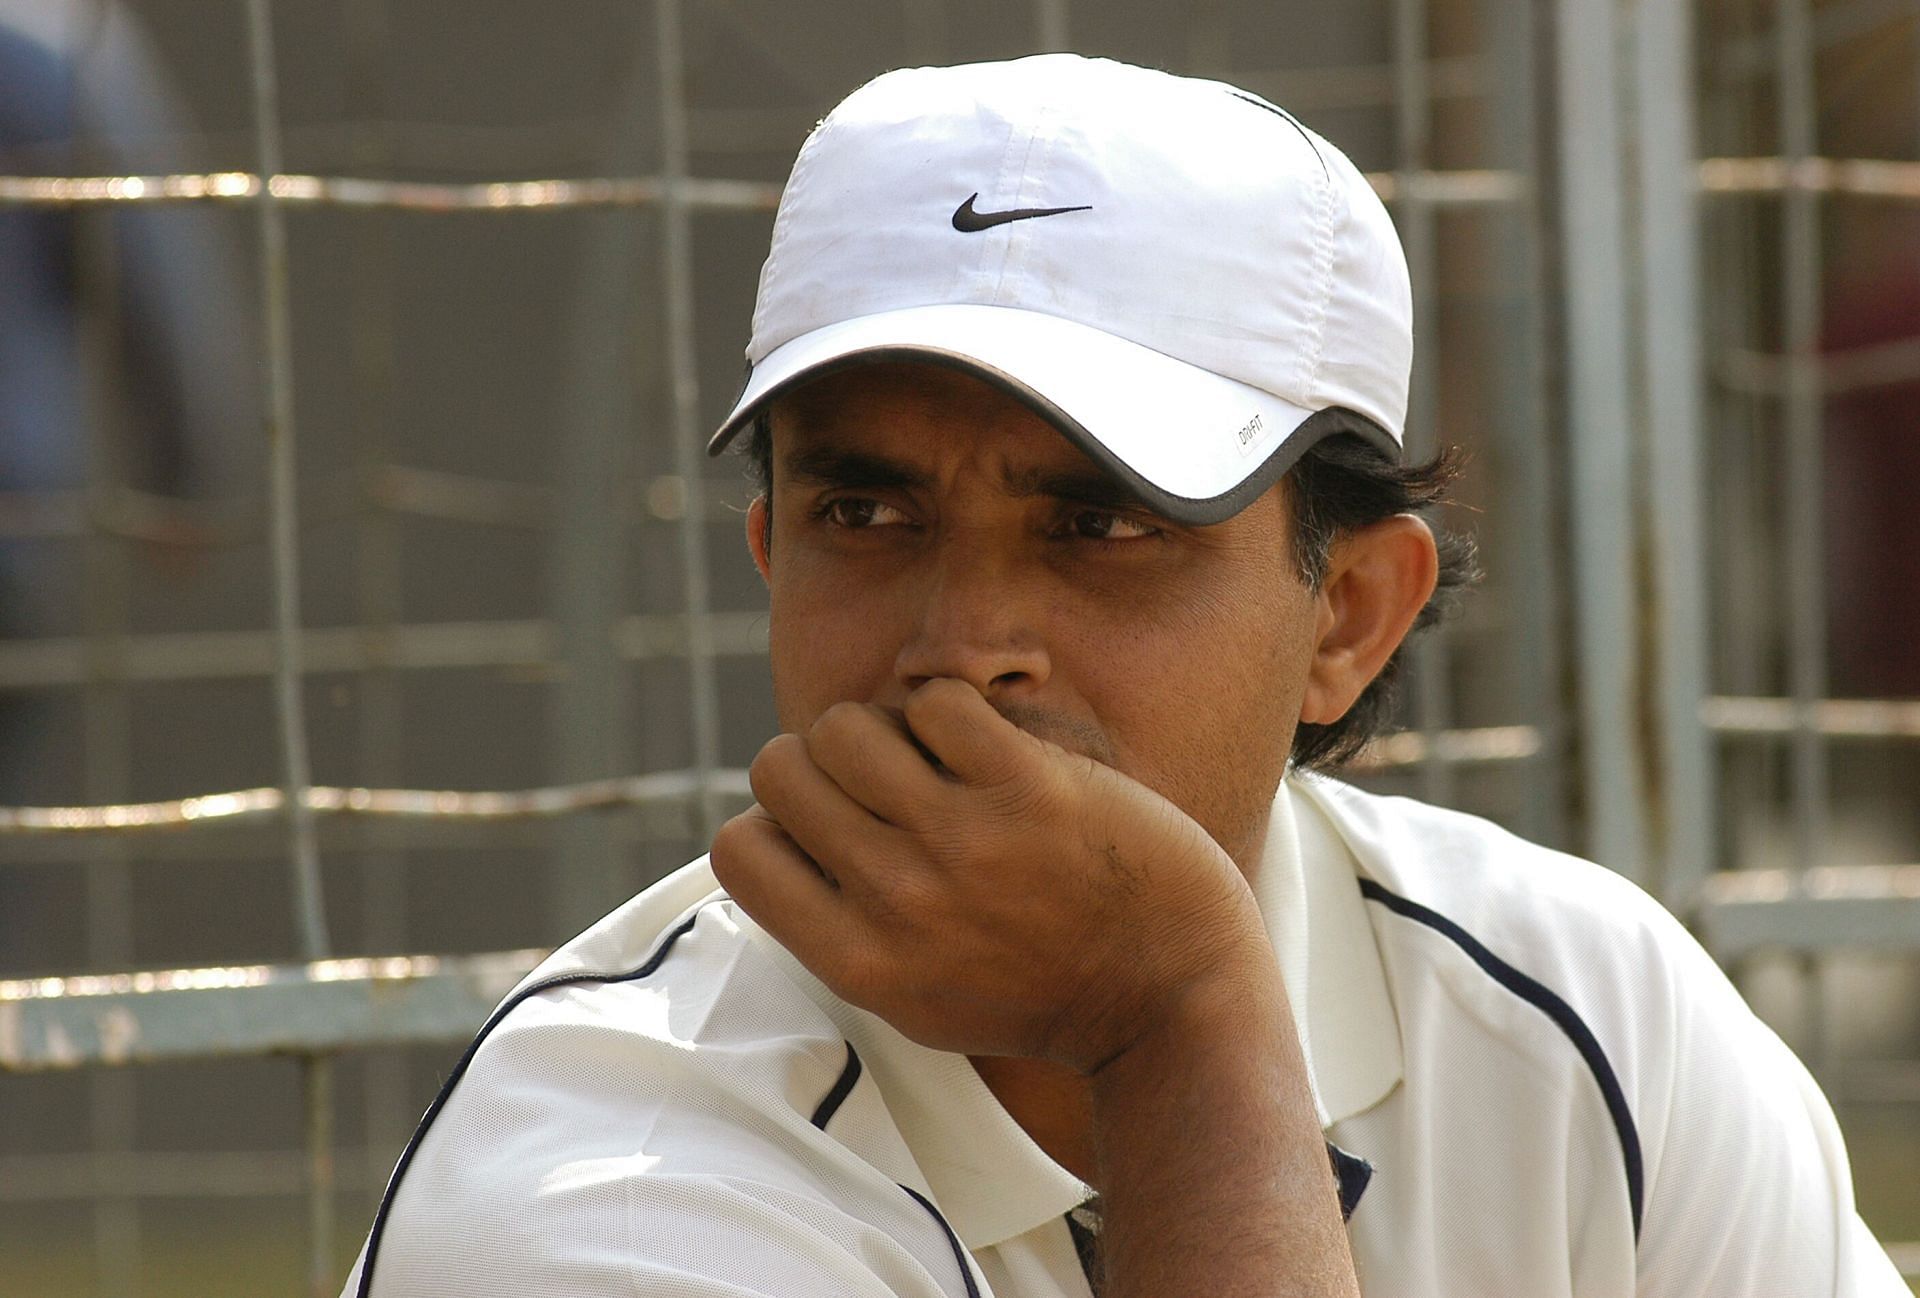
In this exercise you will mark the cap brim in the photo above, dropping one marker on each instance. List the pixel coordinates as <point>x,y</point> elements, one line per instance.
<point>1194,446</point>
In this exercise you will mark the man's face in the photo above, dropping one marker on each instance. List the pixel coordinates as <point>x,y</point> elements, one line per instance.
<point>926,524</point>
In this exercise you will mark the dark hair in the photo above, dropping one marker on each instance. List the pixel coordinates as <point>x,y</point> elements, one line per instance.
<point>1339,486</point>
<point>1343,484</point>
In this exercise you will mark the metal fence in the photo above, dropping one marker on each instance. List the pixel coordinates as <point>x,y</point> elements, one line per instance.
<point>1619,220</point>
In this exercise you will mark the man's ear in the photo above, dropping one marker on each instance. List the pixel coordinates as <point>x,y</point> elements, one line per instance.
<point>760,536</point>
<point>1378,579</point>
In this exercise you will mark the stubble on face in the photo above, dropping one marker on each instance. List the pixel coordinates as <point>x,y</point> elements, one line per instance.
<point>1075,734</point>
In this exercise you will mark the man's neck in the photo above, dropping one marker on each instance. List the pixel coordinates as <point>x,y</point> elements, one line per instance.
<point>1052,1103</point>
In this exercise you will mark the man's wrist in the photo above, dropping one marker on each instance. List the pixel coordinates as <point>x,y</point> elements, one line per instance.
<point>1205,1122</point>
<point>1240,1006</point>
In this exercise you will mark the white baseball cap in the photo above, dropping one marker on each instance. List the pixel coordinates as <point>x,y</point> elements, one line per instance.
<point>1186,281</point>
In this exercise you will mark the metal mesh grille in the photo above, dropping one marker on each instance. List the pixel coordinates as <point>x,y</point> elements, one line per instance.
<point>463,649</point>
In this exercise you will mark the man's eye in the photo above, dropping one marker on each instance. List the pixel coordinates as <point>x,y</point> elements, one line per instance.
<point>1105,525</point>
<point>859,512</point>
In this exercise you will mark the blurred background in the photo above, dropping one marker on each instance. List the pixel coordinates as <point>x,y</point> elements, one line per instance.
<point>372,621</point>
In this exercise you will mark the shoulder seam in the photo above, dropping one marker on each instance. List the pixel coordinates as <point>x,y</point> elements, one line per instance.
<point>1550,1003</point>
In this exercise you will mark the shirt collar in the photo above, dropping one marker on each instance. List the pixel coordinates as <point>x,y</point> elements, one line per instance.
<point>1352,1032</point>
<point>988,1176</point>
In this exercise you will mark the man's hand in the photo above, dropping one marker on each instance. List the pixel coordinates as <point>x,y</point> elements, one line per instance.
<point>983,890</point>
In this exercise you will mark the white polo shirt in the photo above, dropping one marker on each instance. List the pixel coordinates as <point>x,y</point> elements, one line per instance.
<point>1537,1083</point>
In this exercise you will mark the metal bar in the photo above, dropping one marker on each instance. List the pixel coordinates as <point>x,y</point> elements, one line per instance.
<point>1050,26</point>
<point>1452,189</point>
<point>684,384</point>
<point>316,1098</point>
<point>1486,746</point>
<point>589,730</point>
<point>105,720</point>
<point>1832,718</point>
<point>1529,654</point>
<point>1821,909</point>
<point>289,705</point>
<point>1891,179</point>
<point>378,560</point>
<point>176,1174</point>
<point>1467,187</point>
<point>1601,501</point>
<point>396,804</point>
<point>403,195</point>
<point>1412,117</point>
<point>220,655</point>
<point>1807,174</point>
<point>1853,370</point>
<point>249,843</point>
<point>1674,483</point>
<point>397,489</point>
<point>1804,462</point>
<point>50,1024</point>
<point>289,701</point>
<point>1741,505</point>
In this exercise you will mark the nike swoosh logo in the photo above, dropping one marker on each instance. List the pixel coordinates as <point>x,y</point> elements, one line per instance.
<point>968,221</point>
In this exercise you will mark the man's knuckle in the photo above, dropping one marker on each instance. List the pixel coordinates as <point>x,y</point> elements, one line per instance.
<point>855,968</point>
<point>772,765</point>
<point>886,899</point>
<point>781,748</point>
<point>910,894</point>
<point>934,699</point>
<point>1021,796</point>
<point>731,849</point>
<point>839,720</point>
<point>837,737</point>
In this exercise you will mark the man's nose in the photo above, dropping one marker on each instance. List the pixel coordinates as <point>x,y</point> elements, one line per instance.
<point>978,621</point>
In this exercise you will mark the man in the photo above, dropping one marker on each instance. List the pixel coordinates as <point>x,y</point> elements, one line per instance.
<point>1035,972</point>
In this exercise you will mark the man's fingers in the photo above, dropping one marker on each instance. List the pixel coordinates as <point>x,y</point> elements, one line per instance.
<point>780,886</point>
<point>822,820</point>
<point>869,752</point>
<point>958,726</point>
<point>784,890</point>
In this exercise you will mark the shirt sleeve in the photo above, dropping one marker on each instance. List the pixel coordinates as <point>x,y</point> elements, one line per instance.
<point>1748,1185</point>
<point>654,1134</point>
<point>742,1238</point>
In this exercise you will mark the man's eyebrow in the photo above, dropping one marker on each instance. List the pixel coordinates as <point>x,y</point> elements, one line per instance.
<point>1088,486</point>
<point>827,466</point>
<point>830,467</point>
